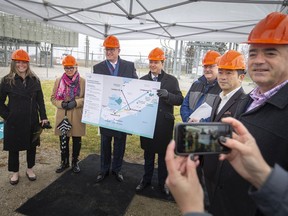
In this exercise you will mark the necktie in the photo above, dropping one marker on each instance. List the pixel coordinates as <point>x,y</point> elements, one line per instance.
<point>155,78</point>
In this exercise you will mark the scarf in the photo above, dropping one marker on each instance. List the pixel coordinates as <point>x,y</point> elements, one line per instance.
<point>68,88</point>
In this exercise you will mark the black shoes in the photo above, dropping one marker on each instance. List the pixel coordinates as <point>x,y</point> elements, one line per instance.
<point>166,193</point>
<point>142,185</point>
<point>65,164</point>
<point>164,189</point>
<point>61,168</point>
<point>118,175</point>
<point>100,177</point>
<point>75,167</point>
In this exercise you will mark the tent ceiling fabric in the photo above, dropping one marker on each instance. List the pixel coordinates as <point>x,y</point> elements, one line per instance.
<point>222,21</point>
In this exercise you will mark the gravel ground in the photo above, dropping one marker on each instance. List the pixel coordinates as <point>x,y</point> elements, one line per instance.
<point>47,160</point>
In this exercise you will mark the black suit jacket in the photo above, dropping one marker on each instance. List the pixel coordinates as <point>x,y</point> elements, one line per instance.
<point>229,108</point>
<point>165,114</point>
<point>209,161</point>
<point>126,69</point>
<point>267,123</point>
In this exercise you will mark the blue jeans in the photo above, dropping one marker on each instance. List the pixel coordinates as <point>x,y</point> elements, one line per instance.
<point>118,152</point>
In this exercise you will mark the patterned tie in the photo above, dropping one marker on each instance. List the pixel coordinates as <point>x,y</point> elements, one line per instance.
<point>155,78</point>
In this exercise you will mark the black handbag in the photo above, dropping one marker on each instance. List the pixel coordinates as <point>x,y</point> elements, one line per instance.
<point>37,132</point>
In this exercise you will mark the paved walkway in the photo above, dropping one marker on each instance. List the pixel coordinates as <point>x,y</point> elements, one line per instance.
<point>43,73</point>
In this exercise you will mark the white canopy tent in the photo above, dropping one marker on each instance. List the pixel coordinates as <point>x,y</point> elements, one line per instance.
<point>214,20</point>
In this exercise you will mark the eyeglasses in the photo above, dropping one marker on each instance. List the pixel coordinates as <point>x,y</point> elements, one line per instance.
<point>209,66</point>
<point>68,68</point>
<point>110,49</point>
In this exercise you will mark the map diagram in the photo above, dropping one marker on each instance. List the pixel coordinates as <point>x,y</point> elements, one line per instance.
<point>123,104</point>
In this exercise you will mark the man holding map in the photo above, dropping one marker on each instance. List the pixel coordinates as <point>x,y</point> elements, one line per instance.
<point>169,95</point>
<point>113,66</point>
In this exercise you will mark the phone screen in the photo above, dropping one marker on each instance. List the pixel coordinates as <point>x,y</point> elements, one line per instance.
<point>201,138</point>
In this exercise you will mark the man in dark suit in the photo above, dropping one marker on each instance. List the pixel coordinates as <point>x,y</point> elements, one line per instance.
<point>231,72</point>
<point>169,95</point>
<point>113,66</point>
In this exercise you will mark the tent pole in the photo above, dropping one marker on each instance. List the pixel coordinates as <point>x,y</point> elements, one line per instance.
<point>175,58</point>
<point>180,60</point>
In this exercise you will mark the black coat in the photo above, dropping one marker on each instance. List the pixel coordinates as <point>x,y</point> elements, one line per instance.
<point>267,123</point>
<point>165,115</point>
<point>126,69</point>
<point>21,112</point>
<point>229,108</point>
<point>209,161</point>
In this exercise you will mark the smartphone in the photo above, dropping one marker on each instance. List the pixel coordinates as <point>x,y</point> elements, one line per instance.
<point>201,138</point>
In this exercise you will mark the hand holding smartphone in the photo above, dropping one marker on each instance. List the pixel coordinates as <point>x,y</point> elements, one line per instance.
<point>201,138</point>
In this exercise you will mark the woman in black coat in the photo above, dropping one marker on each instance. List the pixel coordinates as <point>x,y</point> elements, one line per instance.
<point>169,95</point>
<point>21,113</point>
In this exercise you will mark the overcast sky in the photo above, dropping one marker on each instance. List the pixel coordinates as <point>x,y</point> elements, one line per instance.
<point>129,48</point>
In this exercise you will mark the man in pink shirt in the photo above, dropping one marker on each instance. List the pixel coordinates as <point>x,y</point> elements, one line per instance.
<point>264,112</point>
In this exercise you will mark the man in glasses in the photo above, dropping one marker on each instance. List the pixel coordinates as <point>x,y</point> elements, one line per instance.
<point>203,90</point>
<point>113,66</point>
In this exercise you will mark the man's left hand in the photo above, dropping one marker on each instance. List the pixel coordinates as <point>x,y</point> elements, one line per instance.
<point>162,93</point>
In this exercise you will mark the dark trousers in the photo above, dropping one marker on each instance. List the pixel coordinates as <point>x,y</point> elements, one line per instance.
<point>75,148</point>
<point>13,159</point>
<point>149,167</point>
<point>118,152</point>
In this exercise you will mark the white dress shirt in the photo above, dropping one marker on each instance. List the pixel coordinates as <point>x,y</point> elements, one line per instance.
<point>226,98</point>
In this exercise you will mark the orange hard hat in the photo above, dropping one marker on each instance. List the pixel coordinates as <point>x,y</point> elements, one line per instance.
<point>20,55</point>
<point>270,30</point>
<point>111,42</point>
<point>210,57</point>
<point>231,60</point>
<point>69,60</point>
<point>156,54</point>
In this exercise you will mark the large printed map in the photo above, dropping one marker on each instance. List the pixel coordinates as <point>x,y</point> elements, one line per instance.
<point>123,104</point>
